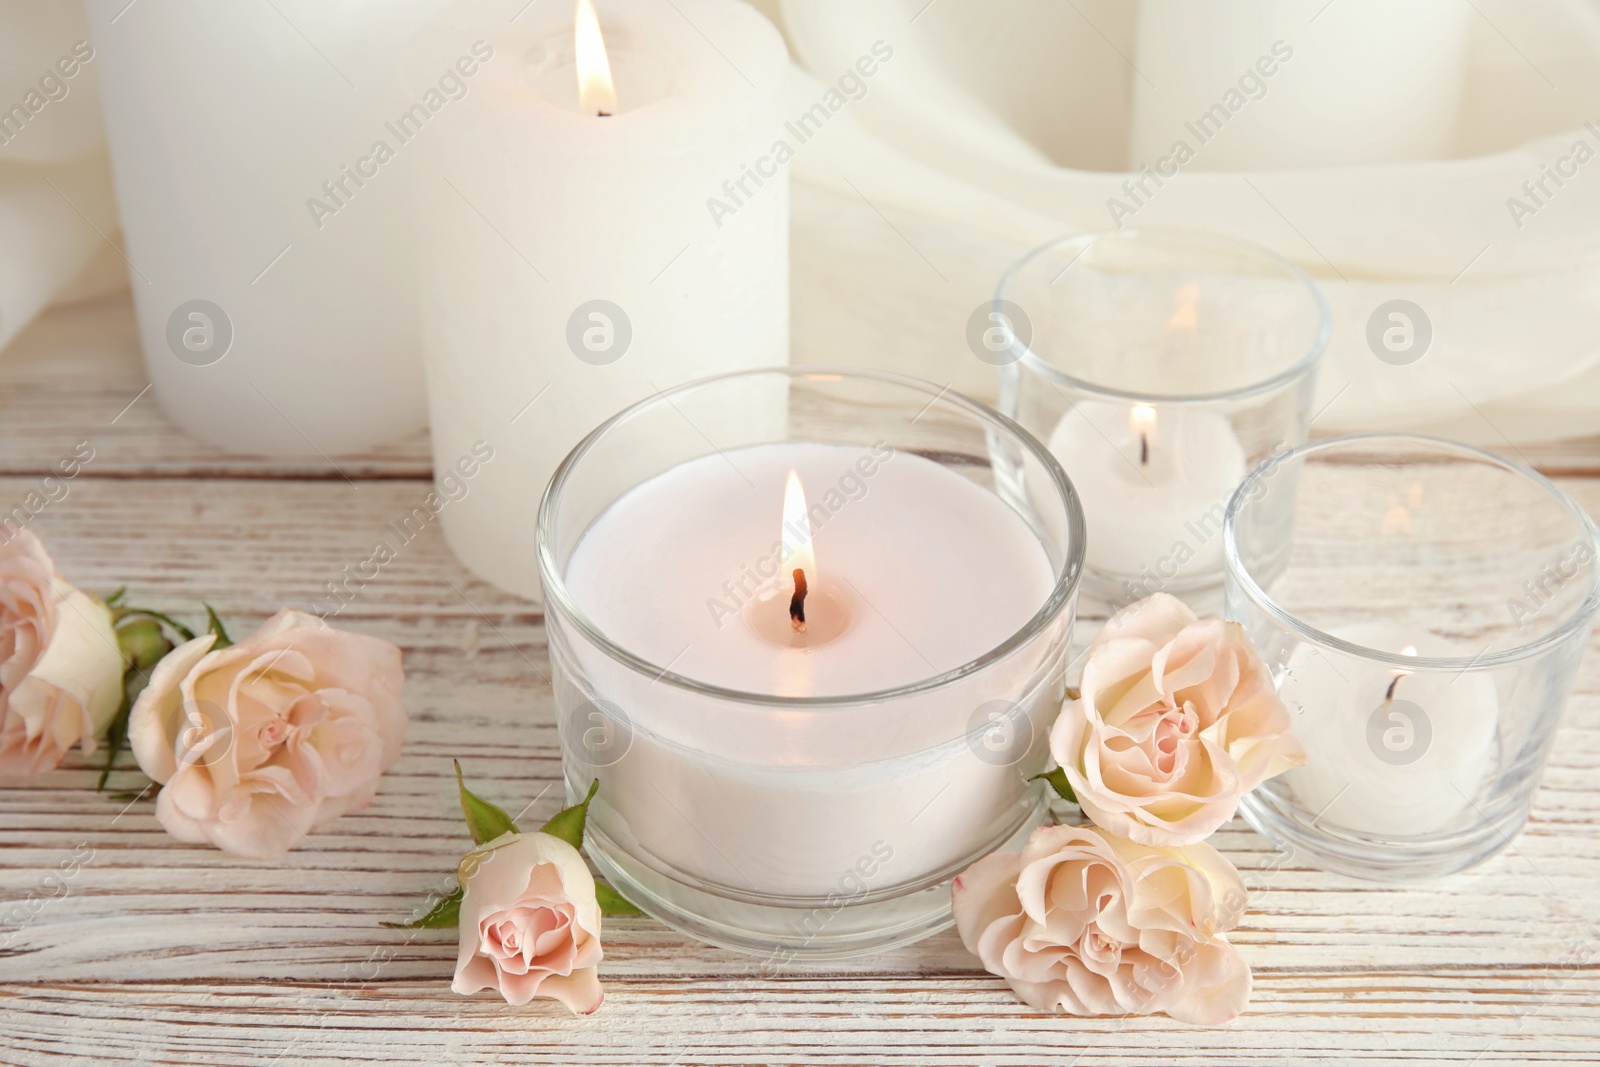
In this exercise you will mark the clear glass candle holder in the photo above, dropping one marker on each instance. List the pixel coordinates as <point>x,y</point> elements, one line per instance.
<point>1159,366</point>
<point>1423,606</point>
<point>823,814</point>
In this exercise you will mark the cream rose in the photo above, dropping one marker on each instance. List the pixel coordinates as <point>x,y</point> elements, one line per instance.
<point>530,926</point>
<point>258,744</point>
<point>1176,720</point>
<point>60,666</point>
<point>1090,924</point>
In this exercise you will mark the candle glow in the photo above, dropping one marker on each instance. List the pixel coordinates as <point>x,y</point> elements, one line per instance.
<point>597,93</point>
<point>1185,310</point>
<point>1409,650</point>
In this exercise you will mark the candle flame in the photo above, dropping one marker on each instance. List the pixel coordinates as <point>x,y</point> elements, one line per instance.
<point>1401,672</point>
<point>797,551</point>
<point>597,94</point>
<point>1142,421</point>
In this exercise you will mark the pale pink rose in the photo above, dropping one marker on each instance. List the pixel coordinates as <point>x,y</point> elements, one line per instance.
<point>1177,719</point>
<point>60,666</point>
<point>259,744</point>
<point>1090,924</point>
<point>530,926</point>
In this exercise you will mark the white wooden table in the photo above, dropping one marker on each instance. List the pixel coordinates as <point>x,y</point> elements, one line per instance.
<point>163,953</point>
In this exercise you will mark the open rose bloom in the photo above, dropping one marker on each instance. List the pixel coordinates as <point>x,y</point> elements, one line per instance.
<point>1089,924</point>
<point>258,744</point>
<point>1177,719</point>
<point>60,667</point>
<point>530,925</point>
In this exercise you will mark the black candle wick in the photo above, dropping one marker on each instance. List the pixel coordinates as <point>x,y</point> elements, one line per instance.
<point>797,603</point>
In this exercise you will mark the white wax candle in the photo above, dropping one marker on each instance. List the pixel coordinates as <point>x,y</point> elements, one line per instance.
<point>271,252</point>
<point>1410,765</point>
<point>1154,483</point>
<point>933,571</point>
<point>573,264</point>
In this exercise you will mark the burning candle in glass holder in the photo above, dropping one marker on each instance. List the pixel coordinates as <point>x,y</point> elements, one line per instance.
<point>814,664</point>
<point>1160,365</point>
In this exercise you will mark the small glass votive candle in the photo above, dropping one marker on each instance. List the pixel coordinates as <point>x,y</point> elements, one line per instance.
<point>1159,366</point>
<point>1423,606</point>
<point>809,638</point>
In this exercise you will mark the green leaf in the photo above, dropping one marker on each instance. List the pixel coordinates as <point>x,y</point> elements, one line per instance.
<point>445,914</point>
<point>484,820</point>
<point>115,595</point>
<point>568,823</point>
<point>611,902</point>
<point>214,625</point>
<point>1058,781</point>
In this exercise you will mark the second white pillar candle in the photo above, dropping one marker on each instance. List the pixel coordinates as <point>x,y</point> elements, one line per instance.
<point>573,264</point>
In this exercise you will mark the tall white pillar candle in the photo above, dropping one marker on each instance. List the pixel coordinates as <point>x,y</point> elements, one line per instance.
<point>267,232</point>
<point>576,262</point>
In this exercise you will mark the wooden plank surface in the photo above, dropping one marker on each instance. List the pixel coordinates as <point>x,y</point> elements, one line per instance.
<point>159,952</point>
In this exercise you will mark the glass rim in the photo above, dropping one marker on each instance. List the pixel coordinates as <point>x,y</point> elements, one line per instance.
<point>1304,364</point>
<point>1574,624</point>
<point>1061,593</point>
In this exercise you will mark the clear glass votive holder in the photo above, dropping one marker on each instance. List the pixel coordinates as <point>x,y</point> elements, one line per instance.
<point>814,817</point>
<point>1159,366</point>
<point>1423,606</point>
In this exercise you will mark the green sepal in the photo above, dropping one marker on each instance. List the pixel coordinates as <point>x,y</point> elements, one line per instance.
<point>111,598</point>
<point>1058,781</point>
<point>120,613</point>
<point>613,903</point>
<point>567,824</point>
<point>142,642</point>
<point>485,821</point>
<point>445,914</point>
<point>214,625</point>
<point>134,681</point>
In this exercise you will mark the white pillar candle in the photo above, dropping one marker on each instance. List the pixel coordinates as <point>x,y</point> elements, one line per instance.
<point>1392,763</point>
<point>573,262</point>
<point>271,266</point>
<point>1285,84</point>
<point>915,571</point>
<point>1154,484</point>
